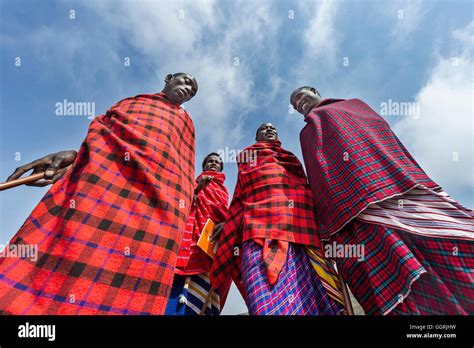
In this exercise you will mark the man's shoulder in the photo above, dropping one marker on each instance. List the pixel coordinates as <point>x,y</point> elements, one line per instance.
<point>152,98</point>
<point>328,105</point>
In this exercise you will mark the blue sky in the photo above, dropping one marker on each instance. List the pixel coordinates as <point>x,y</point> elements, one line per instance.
<point>406,51</point>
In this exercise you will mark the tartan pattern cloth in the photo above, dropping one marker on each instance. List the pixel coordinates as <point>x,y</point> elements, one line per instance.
<point>438,271</point>
<point>353,159</point>
<point>298,291</point>
<point>272,201</point>
<point>275,253</point>
<point>108,232</point>
<point>198,288</point>
<point>424,299</point>
<point>211,203</point>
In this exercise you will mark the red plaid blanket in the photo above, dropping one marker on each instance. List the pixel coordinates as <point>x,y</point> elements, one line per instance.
<point>272,201</point>
<point>108,232</point>
<point>422,272</point>
<point>211,203</point>
<point>353,159</point>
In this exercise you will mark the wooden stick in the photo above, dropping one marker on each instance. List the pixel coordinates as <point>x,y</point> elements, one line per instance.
<point>21,181</point>
<point>206,303</point>
<point>345,294</point>
<point>26,180</point>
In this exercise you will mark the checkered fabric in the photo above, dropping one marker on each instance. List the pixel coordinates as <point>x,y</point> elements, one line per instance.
<point>298,291</point>
<point>353,159</point>
<point>272,201</point>
<point>430,275</point>
<point>211,203</point>
<point>275,253</point>
<point>108,232</point>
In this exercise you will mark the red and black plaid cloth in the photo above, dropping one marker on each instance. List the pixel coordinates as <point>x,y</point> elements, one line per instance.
<point>353,159</point>
<point>108,232</point>
<point>272,205</point>
<point>406,273</point>
<point>210,203</point>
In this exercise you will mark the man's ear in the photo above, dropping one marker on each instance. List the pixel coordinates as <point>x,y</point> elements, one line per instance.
<point>168,78</point>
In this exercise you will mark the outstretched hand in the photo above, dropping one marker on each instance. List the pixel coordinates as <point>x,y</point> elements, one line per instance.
<point>54,165</point>
<point>205,180</point>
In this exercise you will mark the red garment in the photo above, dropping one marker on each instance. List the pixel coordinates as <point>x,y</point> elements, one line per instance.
<point>407,273</point>
<point>353,159</point>
<point>274,255</point>
<point>108,232</point>
<point>211,203</point>
<point>354,163</point>
<point>272,201</point>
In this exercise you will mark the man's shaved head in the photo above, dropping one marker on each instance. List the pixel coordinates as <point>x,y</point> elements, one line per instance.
<point>304,99</point>
<point>188,75</point>
<point>180,87</point>
<point>311,89</point>
<point>266,132</point>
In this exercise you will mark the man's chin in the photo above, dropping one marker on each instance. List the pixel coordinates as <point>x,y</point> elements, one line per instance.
<point>305,113</point>
<point>176,101</point>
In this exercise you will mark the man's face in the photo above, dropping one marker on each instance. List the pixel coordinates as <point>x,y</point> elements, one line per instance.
<point>304,99</point>
<point>213,163</point>
<point>180,88</point>
<point>267,132</point>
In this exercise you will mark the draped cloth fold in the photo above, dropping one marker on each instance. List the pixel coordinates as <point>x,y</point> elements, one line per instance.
<point>353,159</point>
<point>108,232</point>
<point>370,192</point>
<point>299,289</point>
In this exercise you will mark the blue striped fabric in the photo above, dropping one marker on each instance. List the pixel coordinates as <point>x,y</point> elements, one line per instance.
<point>298,290</point>
<point>195,296</point>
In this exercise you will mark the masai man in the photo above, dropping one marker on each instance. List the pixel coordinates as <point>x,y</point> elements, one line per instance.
<point>269,243</point>
<point>369,191</point>
<point>192,293</point>
<point>108,231</point>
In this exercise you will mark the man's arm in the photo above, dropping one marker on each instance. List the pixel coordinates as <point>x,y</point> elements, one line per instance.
<point>205,180</point>
<point>54,165</point>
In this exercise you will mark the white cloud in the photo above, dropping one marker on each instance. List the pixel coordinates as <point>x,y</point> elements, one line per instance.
<point>445,127</point>
<point>404,16</point>
<point>158,27</point>
<point>318,60</point>
<point>175,38</point>
<point>320,37</point>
